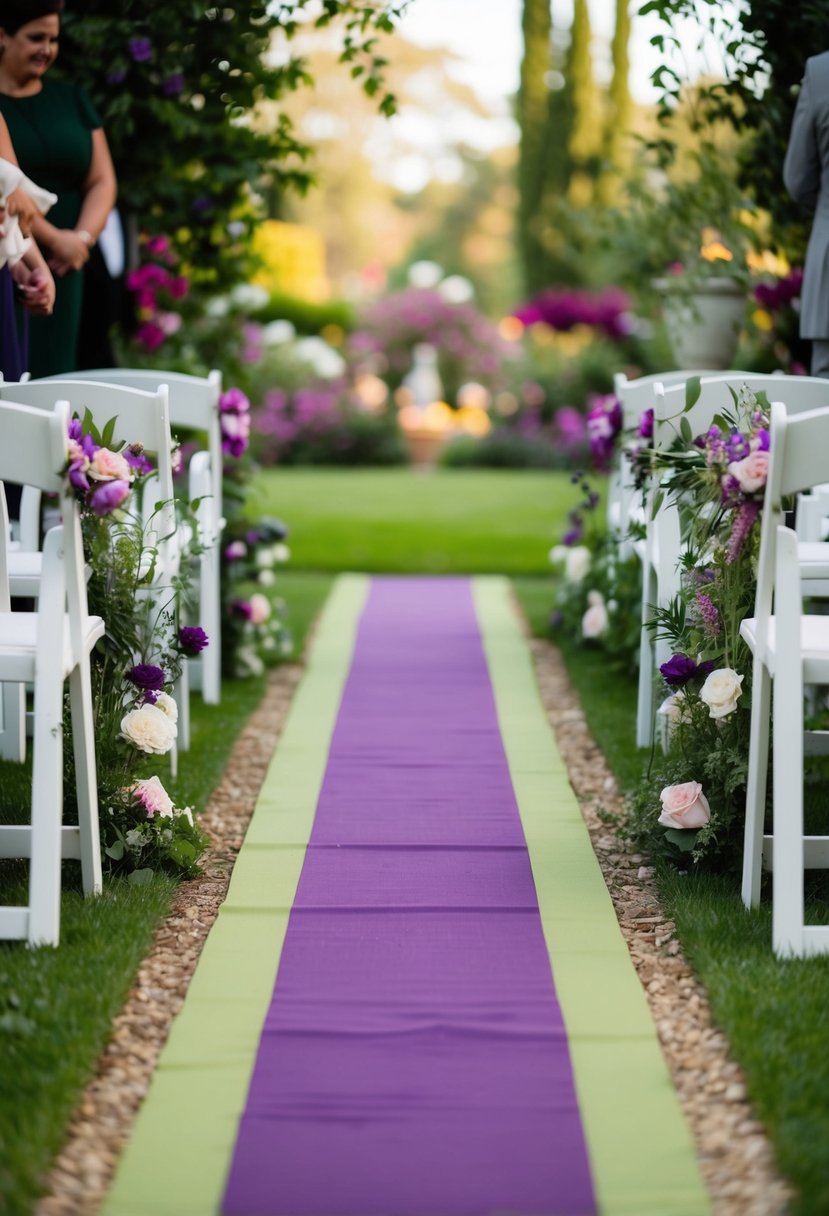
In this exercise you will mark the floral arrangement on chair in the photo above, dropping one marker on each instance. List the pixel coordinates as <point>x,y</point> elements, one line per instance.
<point>719,479</point>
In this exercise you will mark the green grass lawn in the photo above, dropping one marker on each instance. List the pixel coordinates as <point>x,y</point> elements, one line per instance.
<point>398,520</point>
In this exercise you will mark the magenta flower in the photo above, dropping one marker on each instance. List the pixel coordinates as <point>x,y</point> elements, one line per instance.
<point>234,401</point>
<point>147,676</point>
<point>136,459</point>
<point>150,336</point>
<point>192,639</point>
<point>645,428</point>
<point>107,496</point>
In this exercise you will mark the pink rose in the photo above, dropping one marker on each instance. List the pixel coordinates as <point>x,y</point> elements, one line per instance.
<point>751,472</point>
<point>109,466</point>
<point>684,806</point>
<point>260,609</point>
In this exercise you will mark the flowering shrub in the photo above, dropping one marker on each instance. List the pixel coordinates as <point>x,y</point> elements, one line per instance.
<point>563,309</point>
<point>469,347</point>
<point>777,321</point>
<point>234,416</point>
<point>158,293</point>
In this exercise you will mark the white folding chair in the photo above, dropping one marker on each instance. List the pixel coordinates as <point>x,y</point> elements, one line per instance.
<point>790,651</point>
<point>194,404</point>
<point>662,548</point>
<point>624,500</point>
<point>142,417</point>
<point>46,648</point>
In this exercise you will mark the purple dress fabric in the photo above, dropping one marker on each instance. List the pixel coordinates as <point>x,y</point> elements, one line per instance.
<point>413,1061</point>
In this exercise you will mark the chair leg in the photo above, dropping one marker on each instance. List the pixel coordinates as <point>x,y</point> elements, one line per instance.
<point>83,738</point>
<point>181,694</point>
<point>787,727</point>
<point>758,759</point>
<point>644,701</point>
<point>47,813</point>
<point>211,622</point>
<point>13,734</point>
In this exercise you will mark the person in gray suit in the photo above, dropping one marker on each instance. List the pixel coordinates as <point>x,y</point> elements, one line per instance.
<point>806,176</point>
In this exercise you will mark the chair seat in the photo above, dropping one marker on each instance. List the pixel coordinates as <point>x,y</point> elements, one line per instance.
<point>814,559</point>
<point>25,571</point>
<point>18,644</point>
<point>814,645</point>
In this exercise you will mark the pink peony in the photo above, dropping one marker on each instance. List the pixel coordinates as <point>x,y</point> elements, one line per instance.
<point>751,472</point>
<point>684,806</point>
<point>109,466</point>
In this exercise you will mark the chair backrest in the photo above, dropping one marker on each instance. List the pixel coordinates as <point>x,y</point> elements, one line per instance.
<point>34,452</point>
<point>636,396</point>
<point>798,446</point>
<point>798,392</point>
<point>193,403</point>
<point>142,417</point>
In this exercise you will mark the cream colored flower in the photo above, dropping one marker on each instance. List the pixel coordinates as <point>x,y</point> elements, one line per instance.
<point>720,692</point>
<point>149,729</point>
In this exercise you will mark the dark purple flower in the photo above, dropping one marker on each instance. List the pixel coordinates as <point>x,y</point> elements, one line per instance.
<point>645,428</point>
<point>136,459</point>
<point>678,670</point>
<point>192,639</point>
<point>241,608</point>
<point>730,493</point>
<point>147,676</point>
<point>116,76</point>
<point>140,49</point>
<point>108,495</point>
<point>173,85</point>
<point>573,536</point>
<point>150,696</point>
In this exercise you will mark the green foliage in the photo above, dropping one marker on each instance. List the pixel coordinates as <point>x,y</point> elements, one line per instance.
<point>765,43</point>
<point>177,101</point>
<point>306,316</point>
<point>502,448</point>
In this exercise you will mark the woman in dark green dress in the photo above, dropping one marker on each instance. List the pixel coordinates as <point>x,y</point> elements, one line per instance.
<point>60,144</point>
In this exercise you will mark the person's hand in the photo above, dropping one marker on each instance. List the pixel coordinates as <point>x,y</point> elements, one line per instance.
<point>37,289</point>
<point>22,205</point>
<point>67,251</point>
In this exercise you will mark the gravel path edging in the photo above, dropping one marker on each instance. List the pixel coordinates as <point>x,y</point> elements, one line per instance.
<point>735,1156</point>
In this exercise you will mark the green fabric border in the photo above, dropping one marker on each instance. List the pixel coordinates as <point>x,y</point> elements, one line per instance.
<point>176,1160</point>
<point>641,1151</point>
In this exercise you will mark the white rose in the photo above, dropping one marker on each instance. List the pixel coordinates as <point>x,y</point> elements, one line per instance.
<point>266,578</point>
<point>167,705</point>
<point>594,622</point>
<point>558,554</point>
<point>149,729</point>
<point>576,563</point>
<point>280,552</point>
<point>720,692</point>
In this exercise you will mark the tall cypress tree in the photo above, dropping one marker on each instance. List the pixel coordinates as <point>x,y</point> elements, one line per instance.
<point>617,145</point>
<point>586,135</point>
<point>533,120</point>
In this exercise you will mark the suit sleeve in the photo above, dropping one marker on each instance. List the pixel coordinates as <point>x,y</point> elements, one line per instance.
<point>801,170</point>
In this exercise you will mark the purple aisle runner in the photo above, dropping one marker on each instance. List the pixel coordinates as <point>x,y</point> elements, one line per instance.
<point>413,1061</point>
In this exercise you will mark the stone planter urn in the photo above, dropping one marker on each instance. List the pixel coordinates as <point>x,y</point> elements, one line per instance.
<point>704,322</point>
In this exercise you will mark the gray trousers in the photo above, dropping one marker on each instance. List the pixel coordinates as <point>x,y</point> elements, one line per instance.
<point>820,357</point>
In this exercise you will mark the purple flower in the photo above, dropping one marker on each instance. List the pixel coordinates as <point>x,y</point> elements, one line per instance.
<point>140,49</point>
<point>707,612</point>
<point>241,608</point>
<point>147,676</point>
<point>604,421</point>
<point>234,401</point>
<point>745,517</point>
<point>645,428</point>
<point>678,670</point>
<point>107,495</point>
<point>192,639</point>
<point>762,439</point>
<point>573,536</point>
<point>117,76</point>
<point>77,477</point>
<point>150,696</point>
<point>173,85</point>
<point>235,550</point>
<point>136,459</point>
<point>737,446</point>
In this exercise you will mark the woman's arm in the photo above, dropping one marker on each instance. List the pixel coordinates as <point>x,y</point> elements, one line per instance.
<point>18,202</point>
<point>69,248</point>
